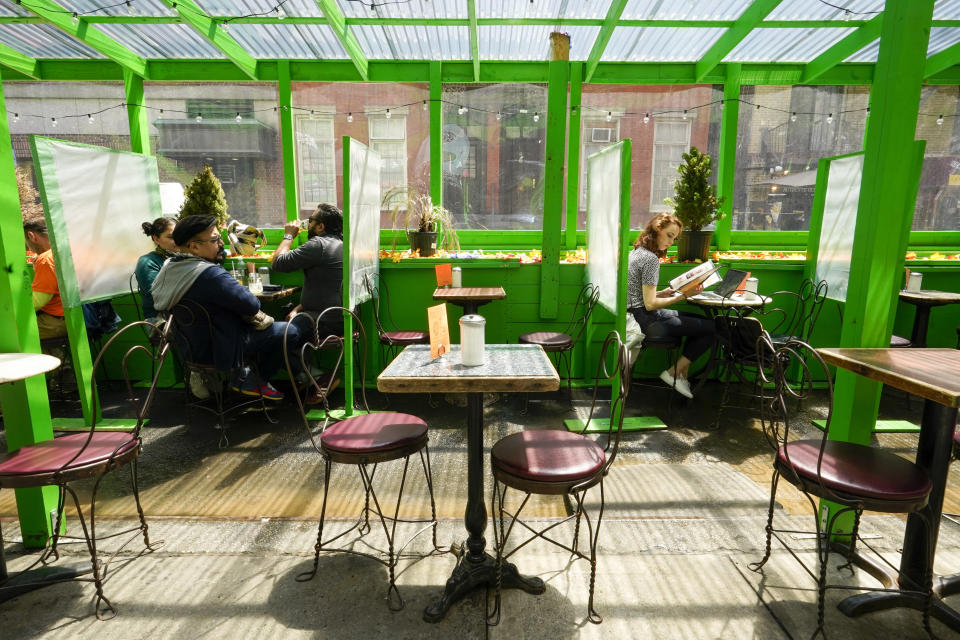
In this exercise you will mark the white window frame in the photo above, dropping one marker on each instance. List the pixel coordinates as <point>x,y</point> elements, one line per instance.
<point>378,114</point>
<point>320,114</point>
<point>658,207</point>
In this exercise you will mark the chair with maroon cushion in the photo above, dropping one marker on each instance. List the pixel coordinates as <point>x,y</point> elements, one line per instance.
<point>364,441</point>
<point>560,463</point>
<point>91,454</point>
<point>563,342</point>
<point>855,477</point>
<point>392,340</point>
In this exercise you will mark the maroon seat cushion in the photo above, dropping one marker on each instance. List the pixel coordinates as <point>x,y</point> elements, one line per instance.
<point>373,432</point>
<point>548,455</point>
<point>405,337</point>
<point>549,340</point>
<point>51,455</point>
<point>857,470</point>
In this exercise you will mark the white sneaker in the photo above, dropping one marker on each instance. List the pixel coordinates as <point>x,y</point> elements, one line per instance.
<point>679,383</point>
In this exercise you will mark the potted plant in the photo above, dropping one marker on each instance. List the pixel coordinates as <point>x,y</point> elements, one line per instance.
<point>428,226</point>
<point>204,196</point>
<point>695,204</point>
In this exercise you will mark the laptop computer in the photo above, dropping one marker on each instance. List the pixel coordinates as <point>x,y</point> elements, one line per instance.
<point>731,280</point>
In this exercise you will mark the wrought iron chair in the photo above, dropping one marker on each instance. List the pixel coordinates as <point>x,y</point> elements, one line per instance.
<point>792,315</point>
<point>563,342</point>
<point>364,441</point>
<point>856,477</point>
<point>558,462</point>
<point>91,454</point>
<point>392,340</point>
<point>196,359</point>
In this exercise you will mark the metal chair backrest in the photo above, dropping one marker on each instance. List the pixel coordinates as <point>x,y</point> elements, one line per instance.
<point>134,291</point>
<point>794,313</point>
<point>140,398</point>
<point>586,301</point>
<point>197,346</point>
<point>614,361</point>
<point>380,297</point>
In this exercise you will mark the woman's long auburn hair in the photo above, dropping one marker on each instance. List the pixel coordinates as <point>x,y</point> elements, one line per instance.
<point>648,239</point>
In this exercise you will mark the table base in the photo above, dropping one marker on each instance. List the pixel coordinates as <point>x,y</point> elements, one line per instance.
<point>36,579</point>
<point>470,574</point>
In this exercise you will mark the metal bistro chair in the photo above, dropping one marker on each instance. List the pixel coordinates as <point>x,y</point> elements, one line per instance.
<point>856,477</point>
<point>563,342</point>
<point>196,359</point>
<point>91,454</point>
<point>558,462</point>
<point>364,441</point>
<point>792,315</point>
<point>391,340</point>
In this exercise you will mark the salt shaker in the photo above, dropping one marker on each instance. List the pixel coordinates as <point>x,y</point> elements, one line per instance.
<point>472,340</point>
<point>264,275</point>
<point>752,286</point>
<point>456,275</point>
<point>916,278</point>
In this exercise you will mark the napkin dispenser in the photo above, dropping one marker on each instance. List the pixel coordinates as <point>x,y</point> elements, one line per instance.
<point>472,340</point>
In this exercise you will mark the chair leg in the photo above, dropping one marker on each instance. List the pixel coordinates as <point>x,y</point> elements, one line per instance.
<point>89,534</point>
<point>757,566</point>
<point>144,527</point>
<point>428,475</point>
<point>592,614</point>
<point>499,542</point>
<point>308,575</point>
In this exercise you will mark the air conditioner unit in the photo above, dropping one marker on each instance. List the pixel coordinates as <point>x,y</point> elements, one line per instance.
<point>601,134</point>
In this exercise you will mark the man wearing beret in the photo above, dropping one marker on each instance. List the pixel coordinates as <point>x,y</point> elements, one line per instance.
<point>240,329</point>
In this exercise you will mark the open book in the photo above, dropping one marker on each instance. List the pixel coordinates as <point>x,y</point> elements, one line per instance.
<point>704,274</point>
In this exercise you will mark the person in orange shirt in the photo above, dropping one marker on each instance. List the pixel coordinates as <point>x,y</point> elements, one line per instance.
<point>46,293</point>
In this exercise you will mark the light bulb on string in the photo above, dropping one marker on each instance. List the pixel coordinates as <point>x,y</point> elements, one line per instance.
<point>281,14</point>
<point>75,18</point>
<point>90,119</point>
<point>684,114</point>
<point>239,118</point>
<point>387,114</point>
<point>940,120</point>
<point>225,25</point>
<point>847,14</point>
<point>793,117</point>
<point>53,122</point>
<point>199,118</point>
<point>16,117</point>
<point>498,116</point>
<point>130,8</point>
<point>646,118</point>
<point>830,118</point>
<point>536,116</point>
<point>349,117</point>
<point>609,117</point>
<point>424,105</point>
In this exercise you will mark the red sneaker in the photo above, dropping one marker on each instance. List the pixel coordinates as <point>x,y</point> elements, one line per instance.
<point>267,391</point>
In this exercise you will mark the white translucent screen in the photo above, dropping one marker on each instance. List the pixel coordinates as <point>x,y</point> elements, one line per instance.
<point>603,223</point>
<point>363,218</point>
<point>839,220</point>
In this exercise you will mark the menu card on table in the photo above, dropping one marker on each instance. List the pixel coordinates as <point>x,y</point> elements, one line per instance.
<point>444,274</point>
<point>439,329</point>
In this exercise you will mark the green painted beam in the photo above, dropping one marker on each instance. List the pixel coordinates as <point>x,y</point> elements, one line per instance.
<point>942,60</point>
<point>211,31</point>
<point>347,39</point>
<point>13,59</point>
<point>136,113</point>
<point>727,154</point>
<point>573,155</point>
<point>474,39</point>
<point>62,19</point>
<point>750,18</point>
<point>288,142</point>
<point>436,133</point>
<point>842,49</point>
<point>555,148</point>
<point>603,37</point>
<point>26,408</point>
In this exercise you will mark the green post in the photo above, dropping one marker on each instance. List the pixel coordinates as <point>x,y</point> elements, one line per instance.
<point>288,141</point>
<point>26,408</point>
<point>885,209</point>
<point>726,167</point>
<point>345,285</point>
<point>553,187</point>
<point>573,155</point>
<point>436,134</point>
<point>136,113</point>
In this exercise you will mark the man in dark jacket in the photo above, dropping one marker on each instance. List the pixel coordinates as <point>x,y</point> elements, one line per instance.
<point>195,277</point>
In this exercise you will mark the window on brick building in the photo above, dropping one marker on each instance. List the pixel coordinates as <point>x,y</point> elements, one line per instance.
<point>596,133</point>
<point>316,162</point>
<point>671,139</point>
<point>388,137</point>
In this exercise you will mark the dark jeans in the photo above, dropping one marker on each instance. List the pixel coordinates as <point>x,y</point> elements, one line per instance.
<point>662,323</point>
<point>266,347</point>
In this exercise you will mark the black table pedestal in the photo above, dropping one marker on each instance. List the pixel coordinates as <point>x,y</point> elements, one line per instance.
<point>476,567</point>
<point>28,581</point>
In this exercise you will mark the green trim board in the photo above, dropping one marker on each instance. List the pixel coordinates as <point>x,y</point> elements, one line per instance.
<point>474,44</point>
<point>573,156</point>
<point>606,31</point>
<point>210,30</point>
<point>882,426</point>
<point>752,17</point>
<point>136,113</point>
<point>555,150</point>
<point>339,25</point>
<point>288,143</point>
<point>843,49</point>
<point>727,155</point>
<point>602,425</point>
<point>77,425</point>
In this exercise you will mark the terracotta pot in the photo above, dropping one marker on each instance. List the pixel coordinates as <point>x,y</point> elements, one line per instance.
<point>425,241</point>
<point>694,245</point>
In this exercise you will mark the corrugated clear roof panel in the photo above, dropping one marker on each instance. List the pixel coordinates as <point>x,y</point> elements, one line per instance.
<point>297,41</point>
<point>303,8</point>
<point>946,10</point>
<point>786,45</point>
<point>684,9</point>
<point>411,9</point>
<point>662,44</point>
<point>551,9</point>
<point>404,42</point>
<point>8,8</point>
<point>531,42</point>
<point>97,8</point>
<point>816,10</point>
<point>940,39</point>
<point>44,41</point>
<point>161,40</point>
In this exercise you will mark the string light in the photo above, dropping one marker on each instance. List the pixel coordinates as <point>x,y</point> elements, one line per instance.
<point>349,117</point>
<point>684,114</point>
<point>75,19</point>
<point>16,117</point>
<point>793,117</point>
<point>53,122</point>
<point>536,117</point>
<point>498,116</point>
<point>90,119</point>
<point>199,118</point>
<point>830,119</point>
<point>646,118</point>
<point>424,105</point>
<point>609,116</point>
<point>940,120</point>
<point>387,114</point>
<point>461,110</point>
<point>281,14</point>
<point>130,8</point>
<point>239,118</point>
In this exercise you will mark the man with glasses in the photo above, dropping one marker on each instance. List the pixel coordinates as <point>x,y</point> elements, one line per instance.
<point>239,327</point>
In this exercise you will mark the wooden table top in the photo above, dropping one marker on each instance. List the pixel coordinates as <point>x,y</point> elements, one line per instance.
<point>508,367</point>
<point>471,294</point>
<point>932,374</point>
<point>270,296</point>
<point>18,366</point>
<point>929,297</point>
<point>736,300</point>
